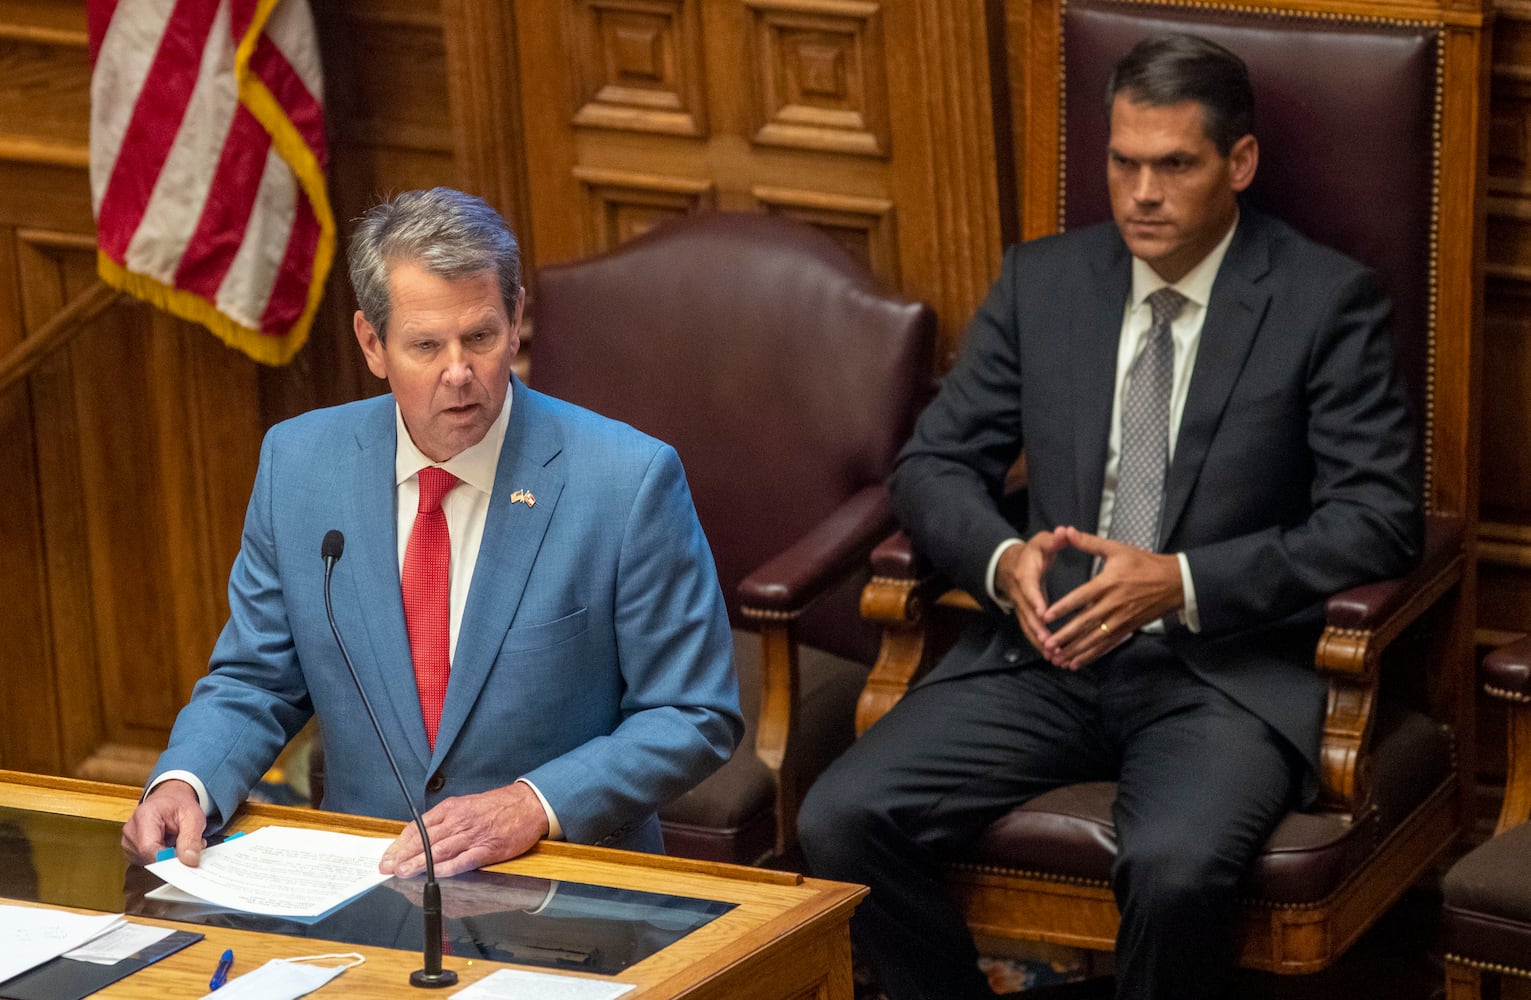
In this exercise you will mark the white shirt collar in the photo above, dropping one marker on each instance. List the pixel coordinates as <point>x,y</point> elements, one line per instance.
<point>475,465</point>
<point>1196,286</point>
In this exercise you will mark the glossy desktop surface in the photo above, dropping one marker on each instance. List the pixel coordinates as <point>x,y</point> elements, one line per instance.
<point>73,861</point>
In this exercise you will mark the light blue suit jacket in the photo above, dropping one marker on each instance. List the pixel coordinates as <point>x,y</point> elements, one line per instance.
<point>594,656</point>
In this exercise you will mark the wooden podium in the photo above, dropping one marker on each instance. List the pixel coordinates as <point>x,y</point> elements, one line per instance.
<point>786,936</point>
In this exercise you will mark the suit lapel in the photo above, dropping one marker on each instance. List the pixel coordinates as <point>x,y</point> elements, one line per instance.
<point>513,533</point>
<point>1234,313</point>
<point>1093,345</point>
<point>372,547</point>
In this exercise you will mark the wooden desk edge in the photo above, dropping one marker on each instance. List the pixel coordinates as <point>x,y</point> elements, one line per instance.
<point>821,906</point>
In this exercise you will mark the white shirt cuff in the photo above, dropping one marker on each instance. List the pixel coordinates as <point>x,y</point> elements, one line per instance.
<point>192,780</point>
<point>999,550</point>
<point>555,832</point>
<point>1190,617</point>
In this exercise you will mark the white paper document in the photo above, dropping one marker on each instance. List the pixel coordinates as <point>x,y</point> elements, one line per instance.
<point>514,984</point>
<point>31,935</point>
<point>118,943</point>
<point>282,871</point>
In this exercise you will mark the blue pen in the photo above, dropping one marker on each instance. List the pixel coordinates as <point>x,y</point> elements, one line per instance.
<point>221,974</point>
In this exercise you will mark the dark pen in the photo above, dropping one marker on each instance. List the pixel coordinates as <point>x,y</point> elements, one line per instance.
<point>221,974</point>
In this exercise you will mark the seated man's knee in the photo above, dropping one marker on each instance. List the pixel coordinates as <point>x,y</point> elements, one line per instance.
<point>1170,880</point>
<point>836,820</point>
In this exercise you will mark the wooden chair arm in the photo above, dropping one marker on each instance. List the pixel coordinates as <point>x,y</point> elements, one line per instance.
<point>773,596</point>
<point>1361,624</point>
<point>1506,677</point>
<point>901,595</point>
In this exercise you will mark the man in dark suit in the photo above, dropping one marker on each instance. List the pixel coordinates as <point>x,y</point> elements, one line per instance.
<point>1205,465</point>
<point>558,661</point>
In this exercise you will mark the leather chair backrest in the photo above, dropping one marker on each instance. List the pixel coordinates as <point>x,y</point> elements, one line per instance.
<point>784,376</point>
<point>1347,158</point>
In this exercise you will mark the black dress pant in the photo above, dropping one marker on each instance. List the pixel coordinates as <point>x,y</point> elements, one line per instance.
<point>1202,782</point>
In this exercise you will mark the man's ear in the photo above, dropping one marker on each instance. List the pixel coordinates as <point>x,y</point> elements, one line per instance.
<point>1243,159</point>
<point>371,345</point>
<point>515,322</point>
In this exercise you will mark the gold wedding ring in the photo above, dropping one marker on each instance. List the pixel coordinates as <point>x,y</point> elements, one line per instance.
<point>1105,629</point>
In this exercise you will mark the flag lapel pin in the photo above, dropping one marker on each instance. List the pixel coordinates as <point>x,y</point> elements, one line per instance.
<point>523,496</point>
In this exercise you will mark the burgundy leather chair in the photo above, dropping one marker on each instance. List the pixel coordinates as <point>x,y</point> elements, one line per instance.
<point>786,379</point>
<point>1360,139</point>
<point>1487,911</point>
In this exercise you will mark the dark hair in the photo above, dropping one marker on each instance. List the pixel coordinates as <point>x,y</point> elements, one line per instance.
<point>1174,68</point>
<point>448,233</point>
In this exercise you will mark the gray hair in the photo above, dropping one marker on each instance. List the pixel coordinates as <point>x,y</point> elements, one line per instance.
<point>446,232</point>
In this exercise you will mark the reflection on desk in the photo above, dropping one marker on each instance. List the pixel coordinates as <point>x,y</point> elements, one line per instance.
<point>491,915</point>
<point>565,908</point>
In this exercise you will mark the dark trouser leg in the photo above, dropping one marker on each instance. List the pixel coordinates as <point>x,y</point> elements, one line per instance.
<point>1203,783</point>
<point>920,786</point>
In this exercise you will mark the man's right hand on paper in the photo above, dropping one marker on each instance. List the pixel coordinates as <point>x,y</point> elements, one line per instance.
<point>170,814</point>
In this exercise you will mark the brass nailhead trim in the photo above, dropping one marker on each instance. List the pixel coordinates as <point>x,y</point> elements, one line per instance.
<point>1504,695</point>
<point>770,616</point>
<point>1503,970</point>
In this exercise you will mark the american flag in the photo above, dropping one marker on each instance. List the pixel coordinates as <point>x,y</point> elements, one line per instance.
<point>207,161</point>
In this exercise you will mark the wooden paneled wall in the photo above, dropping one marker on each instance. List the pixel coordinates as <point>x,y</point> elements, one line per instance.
<point>130,451</point>
<point>869,120</point>
<point>1505,532</point>
<point>128,454</point>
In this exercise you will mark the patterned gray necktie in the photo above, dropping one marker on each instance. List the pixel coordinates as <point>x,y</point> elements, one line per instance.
<point>1145,429</point>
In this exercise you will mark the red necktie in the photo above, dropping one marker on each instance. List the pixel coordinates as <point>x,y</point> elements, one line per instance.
<point>427,586</point>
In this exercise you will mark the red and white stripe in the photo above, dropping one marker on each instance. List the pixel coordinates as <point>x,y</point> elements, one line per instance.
<point>207,163</point>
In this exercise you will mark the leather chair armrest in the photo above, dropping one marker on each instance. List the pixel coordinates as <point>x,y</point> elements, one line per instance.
<point>1506,676</point>
<point>785,585</point>
<point>1362,621</point>
<point>1506,672</point>
<point>894,557</point>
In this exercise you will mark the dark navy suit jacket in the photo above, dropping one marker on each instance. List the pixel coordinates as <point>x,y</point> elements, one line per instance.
<point>1295,472</point>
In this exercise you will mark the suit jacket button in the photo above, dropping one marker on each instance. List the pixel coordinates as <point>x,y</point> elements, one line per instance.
<point>1012,655</point>
<point>436,784</point>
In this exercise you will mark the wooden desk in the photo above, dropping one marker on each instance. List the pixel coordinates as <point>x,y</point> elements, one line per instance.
<point>787,937</point>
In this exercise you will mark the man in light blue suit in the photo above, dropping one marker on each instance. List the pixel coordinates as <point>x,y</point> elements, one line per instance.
<point>584,645</point>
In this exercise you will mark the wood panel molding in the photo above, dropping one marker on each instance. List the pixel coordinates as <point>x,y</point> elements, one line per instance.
<point>818,73</point>
<point>1505,543</point>
<point>58,331</point>
<point>118,763</point>
<point>488,131</point>
<point>46,98</point>
<point>950,231</point>
<point>639,65</point>
<point>621,204</point>
<point>863,226</point>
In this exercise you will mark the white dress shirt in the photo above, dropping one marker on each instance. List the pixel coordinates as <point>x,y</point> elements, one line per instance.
<point>1186,328</point>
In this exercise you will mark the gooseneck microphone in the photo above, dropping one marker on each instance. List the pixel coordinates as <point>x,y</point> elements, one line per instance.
<point>433,976</point>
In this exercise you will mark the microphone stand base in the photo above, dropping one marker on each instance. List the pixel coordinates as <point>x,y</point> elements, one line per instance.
<point>433,980</point>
